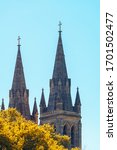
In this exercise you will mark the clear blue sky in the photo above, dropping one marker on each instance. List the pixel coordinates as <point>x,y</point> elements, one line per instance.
<point>37,23</point>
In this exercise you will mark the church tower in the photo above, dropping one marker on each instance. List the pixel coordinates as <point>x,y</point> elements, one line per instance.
<point>60,112</point>
<point>19,94</point>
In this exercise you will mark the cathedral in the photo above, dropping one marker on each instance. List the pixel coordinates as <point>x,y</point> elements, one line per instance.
<point>60,111</point>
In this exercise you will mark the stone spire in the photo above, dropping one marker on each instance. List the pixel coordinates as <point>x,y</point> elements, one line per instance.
<point>77,102</point>
<point>60,112</point>
<point>18,94</point>
<point>60,70</point>
<point>35,112</point>
<point>42,102</point>
<point>19,80</point>
<point>2,106</point>
<point>60,83</point>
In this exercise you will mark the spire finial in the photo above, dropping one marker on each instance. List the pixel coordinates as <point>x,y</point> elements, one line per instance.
<point>19,40</point>
<point>42,89</point>
<point>77,88</point>
<point>60,24</point>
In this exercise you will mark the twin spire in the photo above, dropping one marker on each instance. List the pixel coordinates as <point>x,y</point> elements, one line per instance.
<point>60,70</point>
<point>59,67</point>
<point>19,79</point>
<point>20,92</point>
<point>60,84</point>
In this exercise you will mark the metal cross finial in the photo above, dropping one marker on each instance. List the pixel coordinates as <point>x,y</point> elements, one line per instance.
<point>60,26</point>
<point>18,40</point>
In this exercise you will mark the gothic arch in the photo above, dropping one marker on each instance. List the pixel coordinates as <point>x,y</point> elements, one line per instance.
<point>72,135</point>
<point>65,128</point>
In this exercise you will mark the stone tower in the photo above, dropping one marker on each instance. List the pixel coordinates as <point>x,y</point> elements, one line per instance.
<point>60,112</point>
<point>19,94</point>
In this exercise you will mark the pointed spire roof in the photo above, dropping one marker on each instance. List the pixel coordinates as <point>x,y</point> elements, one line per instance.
<point>60,70</point>
<point>2,106</point>
<point>42,102</point>
<point>77,101</point>
<point>19,79</point>
<point>35,109</point>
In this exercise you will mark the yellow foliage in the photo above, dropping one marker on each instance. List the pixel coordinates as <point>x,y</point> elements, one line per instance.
<point>17,133</point>
<point>75,148</point>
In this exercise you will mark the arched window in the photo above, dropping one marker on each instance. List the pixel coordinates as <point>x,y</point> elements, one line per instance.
<point>72,135</point>
<point>65,130</point>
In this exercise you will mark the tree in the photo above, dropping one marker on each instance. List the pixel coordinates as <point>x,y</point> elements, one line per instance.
<point>17,133</point>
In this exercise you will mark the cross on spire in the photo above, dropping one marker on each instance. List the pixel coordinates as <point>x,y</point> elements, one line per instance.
<point>19,40</point>
<point>19,78</point>
<point>60,70</point>
<point>60,24</point>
